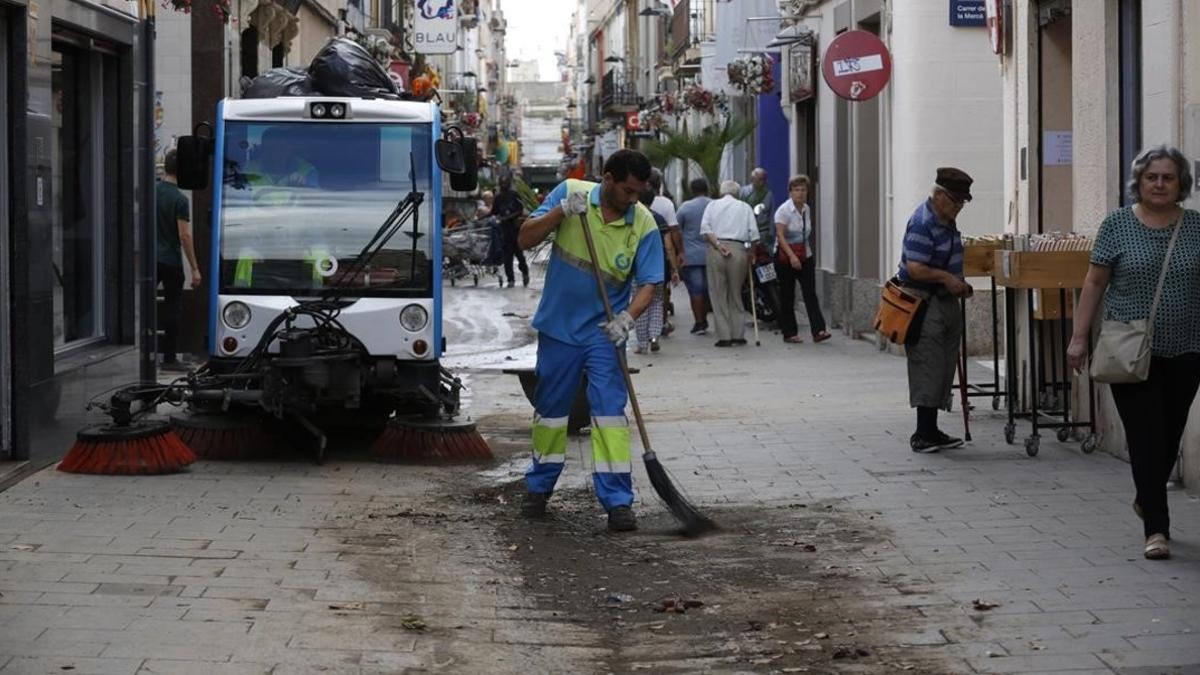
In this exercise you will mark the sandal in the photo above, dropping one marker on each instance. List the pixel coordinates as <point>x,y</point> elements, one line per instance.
<point>1157,548</point>
<point>822,336</point>
<point>795,339</point>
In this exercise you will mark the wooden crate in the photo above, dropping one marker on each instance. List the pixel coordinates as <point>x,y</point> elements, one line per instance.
<point>977,258</point>
<point>1040,269</point>
<point>1047,304</point>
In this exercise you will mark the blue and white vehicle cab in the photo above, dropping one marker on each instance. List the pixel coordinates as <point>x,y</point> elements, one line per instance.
<point>325,278</point>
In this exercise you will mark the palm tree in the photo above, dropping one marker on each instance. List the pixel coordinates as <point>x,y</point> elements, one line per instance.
<point>704,148</point>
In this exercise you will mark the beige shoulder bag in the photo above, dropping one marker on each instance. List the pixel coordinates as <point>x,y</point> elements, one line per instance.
<point>1122,352</point>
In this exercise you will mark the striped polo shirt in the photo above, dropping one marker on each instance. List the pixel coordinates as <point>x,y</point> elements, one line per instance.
<point>930,242</point>
<point>629,249</point>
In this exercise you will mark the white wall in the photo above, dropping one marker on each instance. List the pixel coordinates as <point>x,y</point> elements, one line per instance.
<point>172,78</point>
<point>947,110</point>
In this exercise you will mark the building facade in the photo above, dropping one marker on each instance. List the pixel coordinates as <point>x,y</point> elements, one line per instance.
<point>77,180</point>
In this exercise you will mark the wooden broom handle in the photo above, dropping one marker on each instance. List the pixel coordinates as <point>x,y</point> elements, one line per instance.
<point>637,411</point>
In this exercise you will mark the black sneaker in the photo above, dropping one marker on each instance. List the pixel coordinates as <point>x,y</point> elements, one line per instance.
<point>525,280</point>
<point>510,283</point>
<point>699,329</point>
<point>724,343</point>
<point>738,341</point>
<point>919,443</point>
<point>945,441</point>
<point>654,345</point>
<point>534,506</point>
<point>621,519</point>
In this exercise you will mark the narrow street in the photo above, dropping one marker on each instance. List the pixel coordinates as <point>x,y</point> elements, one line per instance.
<point>840,550</point>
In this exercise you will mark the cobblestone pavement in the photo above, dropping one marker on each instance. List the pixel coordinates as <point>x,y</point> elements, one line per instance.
<point>354,567</point>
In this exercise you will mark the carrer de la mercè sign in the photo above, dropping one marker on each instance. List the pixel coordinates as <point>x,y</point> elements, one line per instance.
<point>435,26</point>
<point>968,13</point>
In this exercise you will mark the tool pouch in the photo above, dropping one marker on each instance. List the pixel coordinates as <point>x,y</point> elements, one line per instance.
<point>899,315</point>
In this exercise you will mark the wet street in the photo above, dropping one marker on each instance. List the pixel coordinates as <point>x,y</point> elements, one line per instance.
<point>840,549</point>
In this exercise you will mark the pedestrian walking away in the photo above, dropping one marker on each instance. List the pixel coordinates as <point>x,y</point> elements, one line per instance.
<point>508,209</point>
<point>796,262</point>
<point>651,324</point>
<point>694,256</point>
<point>574,335</point>
<point>663,206</point>
<point>1155,241</point>
<point>931,267</point>
<point>755,193</point>
<point>174,230</point>
<point>729,227</point>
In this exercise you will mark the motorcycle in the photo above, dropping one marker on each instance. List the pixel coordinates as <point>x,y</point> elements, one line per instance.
<point>766,283</point>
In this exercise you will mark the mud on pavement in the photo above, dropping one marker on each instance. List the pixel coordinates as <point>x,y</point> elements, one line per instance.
<point>773,591</point>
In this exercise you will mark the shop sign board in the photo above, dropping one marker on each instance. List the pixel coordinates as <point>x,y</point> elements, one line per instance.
<point>970,13</point>
<point>435,26</point>
<point>857,65</point>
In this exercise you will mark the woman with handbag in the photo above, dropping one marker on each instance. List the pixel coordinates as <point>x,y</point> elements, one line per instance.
<point>1145,266</point>
<point>794,262</point>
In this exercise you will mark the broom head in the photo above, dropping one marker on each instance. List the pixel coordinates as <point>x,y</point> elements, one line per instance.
<point>224,436</point>
<point>694,523</point>
<point>142,448</point>
<point>417,439</point>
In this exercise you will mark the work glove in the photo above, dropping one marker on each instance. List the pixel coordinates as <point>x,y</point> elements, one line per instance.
<point>618,329</point>
<point>575,203</point>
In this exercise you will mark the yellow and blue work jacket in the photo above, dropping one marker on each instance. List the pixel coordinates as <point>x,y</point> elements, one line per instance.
<point>629,248</point>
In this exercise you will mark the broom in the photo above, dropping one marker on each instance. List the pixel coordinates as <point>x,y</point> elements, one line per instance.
<point>962,388</point>
<point>694,523</point>
<point>139,448</point>
<point>407,439</point>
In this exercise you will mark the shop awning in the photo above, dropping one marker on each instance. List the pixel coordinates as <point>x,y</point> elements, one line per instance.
<point>791,35</point>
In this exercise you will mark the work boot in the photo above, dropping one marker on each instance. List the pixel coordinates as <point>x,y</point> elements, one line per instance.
<point>534,506</point>
<point>621,519</point>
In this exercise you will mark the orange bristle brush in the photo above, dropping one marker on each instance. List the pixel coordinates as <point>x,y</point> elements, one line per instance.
<point>406,440</point>
<point>223,436</point>
<point>141,448</point>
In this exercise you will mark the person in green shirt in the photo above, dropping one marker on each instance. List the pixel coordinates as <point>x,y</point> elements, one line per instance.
<point>174,240</point>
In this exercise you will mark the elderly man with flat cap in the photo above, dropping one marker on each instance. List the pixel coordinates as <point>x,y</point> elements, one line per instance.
<point>931,266</point>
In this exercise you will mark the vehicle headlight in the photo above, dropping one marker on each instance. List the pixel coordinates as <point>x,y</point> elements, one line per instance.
<point>236,315</point>
<point>413,318</point>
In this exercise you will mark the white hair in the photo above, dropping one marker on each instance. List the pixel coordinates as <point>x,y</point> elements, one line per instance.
<point>730,187</point>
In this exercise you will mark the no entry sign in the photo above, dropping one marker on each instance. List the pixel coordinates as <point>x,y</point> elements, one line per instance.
<point>857,65</point>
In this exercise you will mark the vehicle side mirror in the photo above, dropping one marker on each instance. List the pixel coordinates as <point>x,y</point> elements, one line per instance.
<point>449,156</point>
<point>192,155</point>
<point>468,179</point>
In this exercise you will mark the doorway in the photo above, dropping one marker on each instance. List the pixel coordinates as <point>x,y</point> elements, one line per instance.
<point>1055,126</point>
<point>6,434</point>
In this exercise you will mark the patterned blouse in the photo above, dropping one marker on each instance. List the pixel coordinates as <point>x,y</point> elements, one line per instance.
<point>1135,255</point>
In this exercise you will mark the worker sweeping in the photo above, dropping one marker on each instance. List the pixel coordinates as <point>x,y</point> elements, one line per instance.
<point>574,336</point>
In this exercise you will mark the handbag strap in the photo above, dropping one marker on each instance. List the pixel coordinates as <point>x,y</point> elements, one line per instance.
<point>1162,276</point>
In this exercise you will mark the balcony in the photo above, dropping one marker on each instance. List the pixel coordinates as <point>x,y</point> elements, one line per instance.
<point>693,22</point>
<point>618,93</point>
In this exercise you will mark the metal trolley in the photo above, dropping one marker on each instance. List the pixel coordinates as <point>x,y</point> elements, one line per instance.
<point>472,250</point>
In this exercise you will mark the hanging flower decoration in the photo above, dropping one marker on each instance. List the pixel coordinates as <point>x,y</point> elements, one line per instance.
<point>471,120</point>
<point>650,120</point>
<point>219,7</point>
<point>696,97</point>
<point>752,74</point>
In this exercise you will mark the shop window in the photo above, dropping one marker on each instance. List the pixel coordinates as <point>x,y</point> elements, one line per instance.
<point>83,133</point>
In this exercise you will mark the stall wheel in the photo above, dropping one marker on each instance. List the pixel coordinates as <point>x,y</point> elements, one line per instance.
<point>995,403</point>
<point>1031,445</point>
<point>1063,434</point>
<point>1090,444</point>
<point>1010,433</point>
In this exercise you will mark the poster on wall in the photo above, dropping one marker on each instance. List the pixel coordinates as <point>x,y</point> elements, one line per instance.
<point>435,27</point>
<point>800,71</point>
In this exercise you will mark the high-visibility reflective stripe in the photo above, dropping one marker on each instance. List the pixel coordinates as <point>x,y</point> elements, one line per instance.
<point>243,272</point>
<point>610,421</point>
<point>549,441</point>
<point>549,458</point>
<point>613,467</point>
<point>549,422</point>
<point>610,444</point>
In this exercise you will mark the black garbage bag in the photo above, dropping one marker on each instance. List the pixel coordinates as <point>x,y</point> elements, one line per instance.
<point>280,82</point>
<point>344,68</point>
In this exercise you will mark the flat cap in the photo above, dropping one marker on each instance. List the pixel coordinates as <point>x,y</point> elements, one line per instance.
<point>955,181</point>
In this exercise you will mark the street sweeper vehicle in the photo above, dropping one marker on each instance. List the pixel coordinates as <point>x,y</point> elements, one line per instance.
<point>325,288</point>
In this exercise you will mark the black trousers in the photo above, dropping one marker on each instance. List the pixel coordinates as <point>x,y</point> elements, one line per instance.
<point>807,276</point>
<point>171,278</point>
<point>511,250</point>
<point>1154,413</point>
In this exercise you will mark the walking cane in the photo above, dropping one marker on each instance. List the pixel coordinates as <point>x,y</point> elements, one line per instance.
<point>753,304</point>
<point>962,388</point>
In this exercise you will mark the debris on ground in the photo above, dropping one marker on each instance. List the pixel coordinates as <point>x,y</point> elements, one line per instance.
<point>677,605</point>
<point>984,605</point>
<point>413,623</point>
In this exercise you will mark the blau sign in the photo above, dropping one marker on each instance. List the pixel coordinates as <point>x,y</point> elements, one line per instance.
<point>968,13</point>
